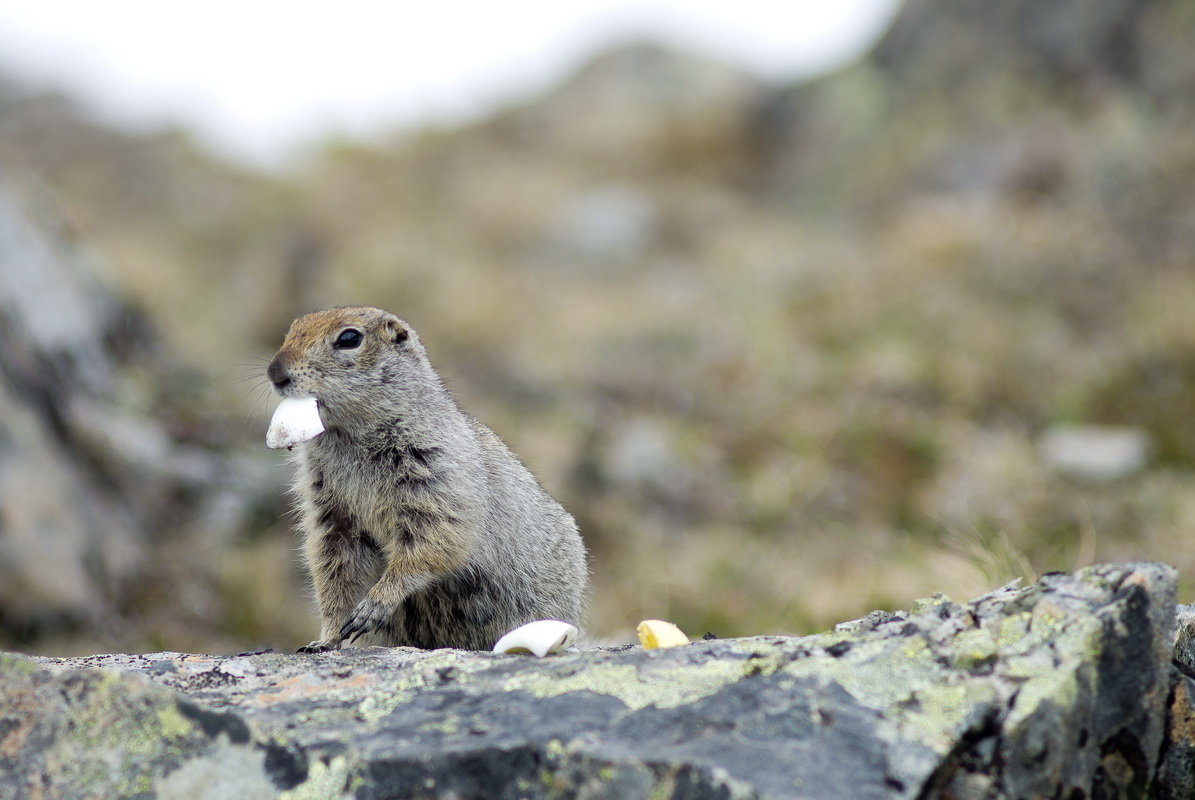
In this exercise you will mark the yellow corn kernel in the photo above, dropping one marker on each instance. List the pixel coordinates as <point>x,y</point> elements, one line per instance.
<point>654,633</point>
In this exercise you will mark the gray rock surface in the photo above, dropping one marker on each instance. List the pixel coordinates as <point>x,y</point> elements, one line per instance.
<point>1067,39</point>
<point>1176,770</point>
<point>1059,689</point>
<point>54,366</point>
<point>94,477</point>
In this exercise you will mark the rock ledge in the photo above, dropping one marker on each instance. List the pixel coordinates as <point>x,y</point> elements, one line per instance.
<point>1060,689</point>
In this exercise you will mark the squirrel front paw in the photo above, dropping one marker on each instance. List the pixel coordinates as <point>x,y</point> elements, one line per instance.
<point>367,617</point>
<point>319,646</point>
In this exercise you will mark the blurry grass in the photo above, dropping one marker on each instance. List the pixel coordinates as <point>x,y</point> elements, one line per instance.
<point>992,554</point>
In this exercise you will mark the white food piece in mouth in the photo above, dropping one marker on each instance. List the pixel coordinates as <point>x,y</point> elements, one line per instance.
<point>295,420</point>
<point>540,637</point>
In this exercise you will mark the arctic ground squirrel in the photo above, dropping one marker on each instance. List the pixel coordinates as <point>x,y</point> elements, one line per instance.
<point>420,527</point>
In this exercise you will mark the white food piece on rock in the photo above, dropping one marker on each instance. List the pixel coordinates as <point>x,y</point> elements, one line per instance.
<point>295,420</point>
<point>540,637</point>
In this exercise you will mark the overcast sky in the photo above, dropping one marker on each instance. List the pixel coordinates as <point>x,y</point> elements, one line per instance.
<point>254,78</point>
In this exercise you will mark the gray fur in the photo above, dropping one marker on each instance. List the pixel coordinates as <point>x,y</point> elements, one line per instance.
<point>420,526</point>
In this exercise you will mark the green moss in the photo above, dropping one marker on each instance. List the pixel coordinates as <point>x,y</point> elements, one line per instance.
<point>617,680</point>
<point>172,723</point>
<point>1059,687</point>
<point>879,673</point>
<point>659,680</point>
<point>13,664</point>
<point>924,604</point>
<point>550,779</point>
<point>1046,621</point>
<point>974,648</point>
<point>324,780</point>
<point>379,703</point>
<point>449,725</point>
<point>128,731</point>
<point>906,682</point>
<point>1012,629</point>
<point>664,788</point>
<point>939,713</point>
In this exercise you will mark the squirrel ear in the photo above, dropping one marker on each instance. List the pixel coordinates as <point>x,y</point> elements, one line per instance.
<point>395,330</point>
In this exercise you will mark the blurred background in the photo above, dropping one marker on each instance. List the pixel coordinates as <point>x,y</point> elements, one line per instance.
<point>799,315</point>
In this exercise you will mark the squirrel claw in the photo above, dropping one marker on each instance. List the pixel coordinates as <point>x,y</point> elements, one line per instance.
<point>318,647</point>
<point>367,617</point>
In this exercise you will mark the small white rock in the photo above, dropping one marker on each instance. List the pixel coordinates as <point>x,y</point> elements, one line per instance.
<point>295,420</point>
<point>540,638</point>
<point>1095,453</point>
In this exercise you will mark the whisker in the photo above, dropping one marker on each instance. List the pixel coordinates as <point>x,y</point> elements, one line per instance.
<point>263,399</point>
<point>257,387</point>
<point>258,356</point>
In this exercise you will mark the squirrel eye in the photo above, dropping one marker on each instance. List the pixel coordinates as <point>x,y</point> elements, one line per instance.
<point>348,339</point>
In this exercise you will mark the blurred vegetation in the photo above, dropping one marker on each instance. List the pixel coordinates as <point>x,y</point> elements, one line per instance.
<point>787,353</point>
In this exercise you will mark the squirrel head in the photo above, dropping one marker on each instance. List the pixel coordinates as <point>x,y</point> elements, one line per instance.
<point>358,362</point>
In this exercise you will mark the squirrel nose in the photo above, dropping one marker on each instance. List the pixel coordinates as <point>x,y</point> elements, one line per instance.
<point>278,374</point>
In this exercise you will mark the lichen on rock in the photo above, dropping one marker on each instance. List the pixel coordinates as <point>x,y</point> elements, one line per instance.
<point>1045,690</point>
